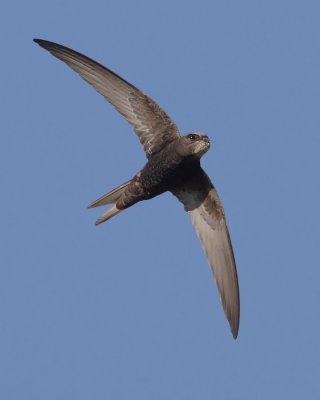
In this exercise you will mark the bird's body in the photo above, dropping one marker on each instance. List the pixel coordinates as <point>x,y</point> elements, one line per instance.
<point>164,168</point>
<point>173,165</point>
<point>167,170</point>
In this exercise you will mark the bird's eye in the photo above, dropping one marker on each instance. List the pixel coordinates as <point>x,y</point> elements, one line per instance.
<point>192,136</point>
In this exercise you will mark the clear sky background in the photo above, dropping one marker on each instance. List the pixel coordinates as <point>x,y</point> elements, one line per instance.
<point>129,309</point>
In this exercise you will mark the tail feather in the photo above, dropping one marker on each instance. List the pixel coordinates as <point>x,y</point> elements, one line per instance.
<point>111,212</point>
<point>110,197</point>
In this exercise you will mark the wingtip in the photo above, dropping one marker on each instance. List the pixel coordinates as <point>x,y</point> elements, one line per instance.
<point>38,41</point>
<point>42,43</point>
<point>46,44</point>
<point>235,330</point>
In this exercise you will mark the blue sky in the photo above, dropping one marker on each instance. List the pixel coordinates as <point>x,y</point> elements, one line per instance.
<point>129,309</point>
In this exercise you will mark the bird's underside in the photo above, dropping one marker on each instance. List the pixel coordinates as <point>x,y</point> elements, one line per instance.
<point>173,165</point>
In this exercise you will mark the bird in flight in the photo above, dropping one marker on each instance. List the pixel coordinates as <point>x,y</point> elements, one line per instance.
<point>173,165</point>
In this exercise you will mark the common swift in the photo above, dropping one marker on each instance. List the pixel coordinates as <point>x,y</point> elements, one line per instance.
<point>173,165</point>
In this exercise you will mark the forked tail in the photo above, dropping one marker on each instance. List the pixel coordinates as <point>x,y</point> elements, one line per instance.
<point>109,198</point>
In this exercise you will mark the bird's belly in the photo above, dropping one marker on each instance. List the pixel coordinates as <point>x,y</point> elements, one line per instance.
<point>154,184</point>
<point>156,181</point>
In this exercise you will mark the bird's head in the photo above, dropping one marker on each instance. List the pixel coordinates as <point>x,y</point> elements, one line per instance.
<point>193,144</point>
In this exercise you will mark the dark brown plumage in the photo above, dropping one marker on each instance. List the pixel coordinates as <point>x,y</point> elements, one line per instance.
<point>173,165</point>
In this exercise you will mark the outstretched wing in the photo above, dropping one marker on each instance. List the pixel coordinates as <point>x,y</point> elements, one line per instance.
<point>152,125</point>
<point>202,202</point>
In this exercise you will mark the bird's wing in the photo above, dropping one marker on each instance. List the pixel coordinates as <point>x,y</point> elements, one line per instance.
<point>152,125</point>
<point>202,202</point>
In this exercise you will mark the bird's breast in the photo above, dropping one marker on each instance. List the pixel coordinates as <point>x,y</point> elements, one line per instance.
<point>164,173</point>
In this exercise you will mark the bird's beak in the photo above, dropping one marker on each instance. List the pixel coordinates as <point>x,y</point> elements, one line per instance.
<point>206,140</point>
